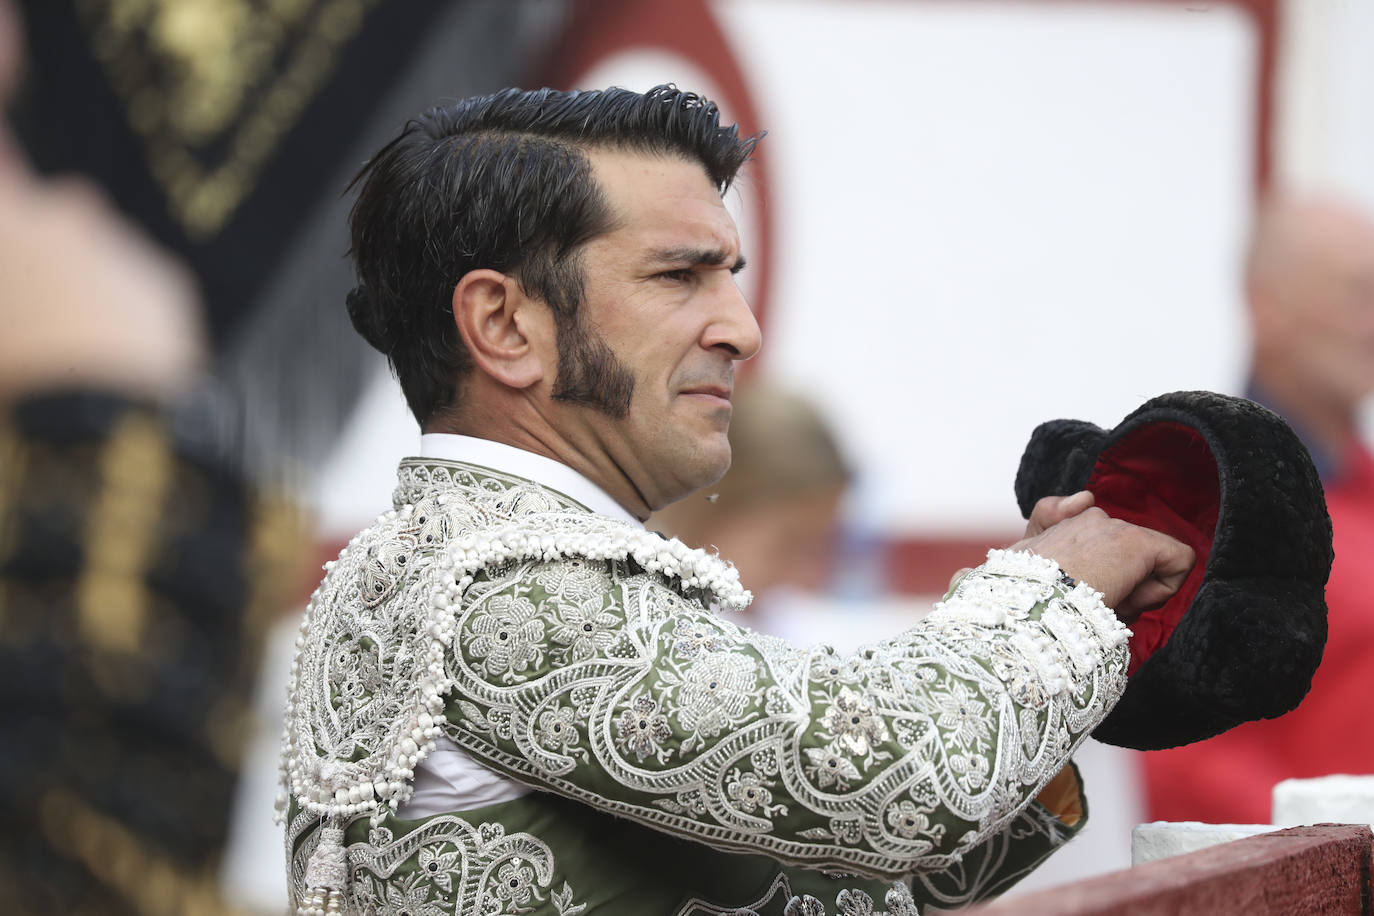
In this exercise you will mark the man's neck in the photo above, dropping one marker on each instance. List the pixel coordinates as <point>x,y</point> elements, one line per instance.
<point>542,440</point>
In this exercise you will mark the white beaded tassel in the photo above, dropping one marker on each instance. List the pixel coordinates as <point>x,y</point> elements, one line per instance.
<point>325,875</point>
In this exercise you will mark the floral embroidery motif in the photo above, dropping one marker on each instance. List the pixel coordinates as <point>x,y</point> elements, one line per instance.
<point>898,901</point>
<point>458,869</point>
<point>508,635</point>
<point>749,793</point>
<point>828,767</point>
<point>804,906</point>
<point>410,897</point>
<point>354,675</point>
<point>558,728</point>
<point>852,720</point>
<point>515,883</point>
<point>1019,674</point>
<point>440,867</point>
<point>908,820</point>
<point>970,771</point>
<point>858,903</point>
<point>716,692</point>
<point>575,581</point>
<point>585,629</point>
<point>643,729</point>
<point>691,637</point>
<point>832,668</point>
<point>962,716</point>
<point>381,569</point>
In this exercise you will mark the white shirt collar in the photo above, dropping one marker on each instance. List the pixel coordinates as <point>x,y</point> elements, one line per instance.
<point>544,471</point>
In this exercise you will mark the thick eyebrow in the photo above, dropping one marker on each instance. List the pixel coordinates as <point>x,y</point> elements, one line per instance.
<point>697,257</point>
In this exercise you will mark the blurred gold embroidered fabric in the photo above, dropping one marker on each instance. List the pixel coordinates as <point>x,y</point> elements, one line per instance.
<point>211,86</point>
<point>136,578</point>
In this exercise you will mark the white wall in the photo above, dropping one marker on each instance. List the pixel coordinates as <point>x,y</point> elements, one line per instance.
<point>992,215</point>
<point>1324,137</point>
<point>988,215</point>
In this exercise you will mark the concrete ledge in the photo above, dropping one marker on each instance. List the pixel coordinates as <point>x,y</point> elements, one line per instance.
<point>1343,799</point>
<point>1161,839</point>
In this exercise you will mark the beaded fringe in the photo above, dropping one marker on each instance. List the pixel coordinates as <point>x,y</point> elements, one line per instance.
<point>325,875</point>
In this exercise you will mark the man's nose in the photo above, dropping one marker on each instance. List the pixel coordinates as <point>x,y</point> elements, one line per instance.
<point>733,327</point>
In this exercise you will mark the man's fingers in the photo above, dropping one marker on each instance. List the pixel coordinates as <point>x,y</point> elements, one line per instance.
<point>1133,567</point>
<point>1052,510</point>
<point>1042,515</point>
<point>1147,596</point>
<point>1078,502</point>
<point>1173,562</point>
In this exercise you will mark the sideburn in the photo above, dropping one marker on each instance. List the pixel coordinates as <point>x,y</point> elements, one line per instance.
<point>589,373</point>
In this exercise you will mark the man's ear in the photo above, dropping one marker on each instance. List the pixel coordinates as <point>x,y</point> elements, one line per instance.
<point>501,327</point>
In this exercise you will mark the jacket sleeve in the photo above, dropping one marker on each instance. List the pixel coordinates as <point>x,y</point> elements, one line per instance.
<point>997,864</point>
<point>602,683</point>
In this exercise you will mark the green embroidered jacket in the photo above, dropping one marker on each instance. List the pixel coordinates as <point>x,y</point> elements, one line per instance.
<point>686,765</point>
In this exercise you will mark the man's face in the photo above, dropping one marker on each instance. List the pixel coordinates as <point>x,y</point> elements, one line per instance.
<point>661,296</point>
<point>1342,337</point>
<point>1328,305</point>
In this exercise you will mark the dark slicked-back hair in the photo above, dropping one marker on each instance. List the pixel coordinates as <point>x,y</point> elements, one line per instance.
<point>503,182</point>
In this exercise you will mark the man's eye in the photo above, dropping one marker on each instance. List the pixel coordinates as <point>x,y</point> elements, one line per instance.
<point>677,276</point>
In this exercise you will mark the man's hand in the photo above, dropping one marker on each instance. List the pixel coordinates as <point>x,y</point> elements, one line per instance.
<point>1136,569</point>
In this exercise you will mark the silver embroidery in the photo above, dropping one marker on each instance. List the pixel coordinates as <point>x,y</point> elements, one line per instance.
<point>573,652</point>
<point>461,868</point>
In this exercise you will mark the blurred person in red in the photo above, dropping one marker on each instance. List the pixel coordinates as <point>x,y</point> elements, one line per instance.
<point>1310,286</point>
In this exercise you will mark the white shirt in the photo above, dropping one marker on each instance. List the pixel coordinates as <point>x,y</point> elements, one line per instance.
<point>448,779</point>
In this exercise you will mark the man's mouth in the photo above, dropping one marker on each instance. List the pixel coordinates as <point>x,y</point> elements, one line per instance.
<point>715,391</point>
<point>712,392</point>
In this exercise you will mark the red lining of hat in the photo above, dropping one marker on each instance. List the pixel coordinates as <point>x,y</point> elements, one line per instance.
<point>1162,476</point>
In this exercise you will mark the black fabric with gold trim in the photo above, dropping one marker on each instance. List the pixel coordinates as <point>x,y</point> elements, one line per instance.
<point>216,125</point>
<point>136,577</point>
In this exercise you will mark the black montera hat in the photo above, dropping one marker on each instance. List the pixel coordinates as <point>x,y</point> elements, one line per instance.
<point>1242,638</point>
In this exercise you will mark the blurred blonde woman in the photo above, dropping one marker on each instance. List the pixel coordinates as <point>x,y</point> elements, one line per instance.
<point>774,513</point>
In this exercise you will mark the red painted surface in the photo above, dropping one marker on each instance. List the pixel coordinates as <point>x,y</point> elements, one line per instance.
<point>1265,15</point>
<point>924,565</point>
<point>1294,872</point>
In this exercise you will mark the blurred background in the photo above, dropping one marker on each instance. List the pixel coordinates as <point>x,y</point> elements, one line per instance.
<point>967,218</point>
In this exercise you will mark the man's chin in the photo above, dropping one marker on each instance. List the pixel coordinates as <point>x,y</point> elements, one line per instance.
<point>705,468</point>
<point>714,464</point>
